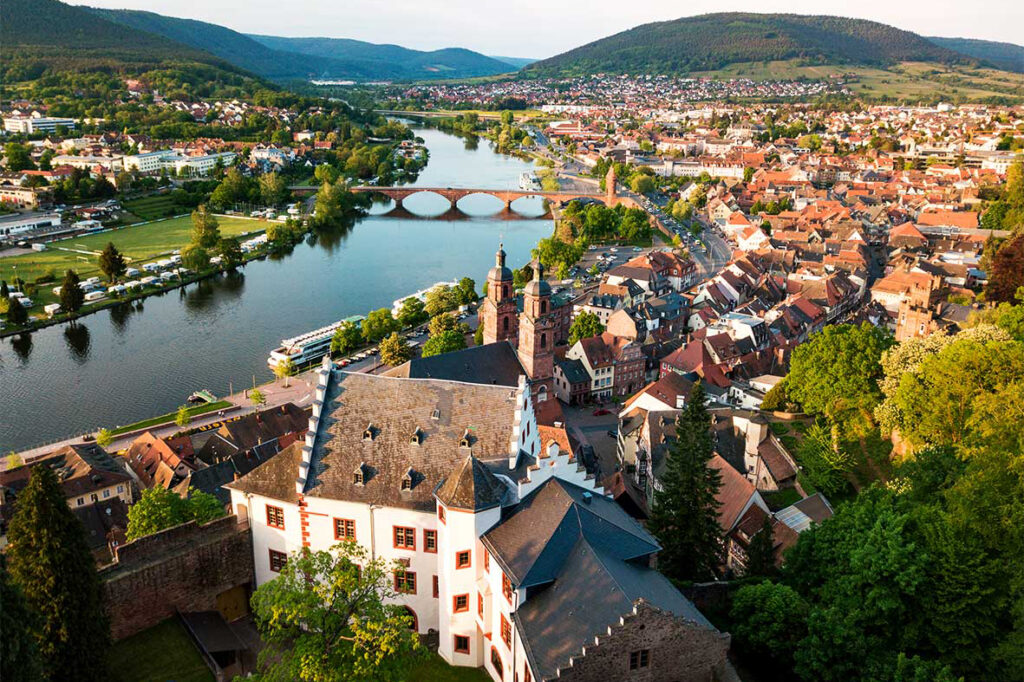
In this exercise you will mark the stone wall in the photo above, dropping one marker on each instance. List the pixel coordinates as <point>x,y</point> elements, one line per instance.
<point>182,568</point>
<point>679,651</point>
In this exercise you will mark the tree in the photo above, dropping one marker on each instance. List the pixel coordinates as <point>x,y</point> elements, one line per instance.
<point>195,257</point>
<point>761,551</point>
<point>284,369</point>
<point>684,516</point>
<point>182,417</point>
<point>441,299</point>
<point>836,372</point>
<point>326,173</point>
<point>412,312</point>
<point>776,397</point>
<point>347,337</point>
<point>160,508</point>
<point>16,312</point>
<point>19,656</point>
<point>642,184</point>
<point>273,189</point>
<point>18,157</point>
<point>49,560</point>
<point>466,291</point>
<point>1007,273</point>
<point>439,324</point>
<point>445,342</point>
<point>205,229</point>
<point>104,438</point>
<point>230,252</point>
<point>584,326</point>
<point>256,397</point>
<point>71,295</point>
<point>326,618</point>
<point>378,324</point>
<point>112,262</point>
<point>394,350</point>
<point>478,336</point>
<point>770,620</point>
<point>233,188</point>
<point>823,458</point>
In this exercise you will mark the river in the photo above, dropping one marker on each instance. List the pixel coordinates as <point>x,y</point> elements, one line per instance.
<point>132,362</point>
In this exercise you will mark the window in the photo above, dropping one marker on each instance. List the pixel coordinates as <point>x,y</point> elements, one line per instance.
<point>487,561</point>
<point>506,631</point>
<point>106,493</point>
<point>430,541</point>
<point>480,604</point>
<point>437,588</point>
<point>277,561</point>
<point>526,673</point>
<point>463,559</point>
<point>440,513</point>
<point>639,659</point>
<point>460,603</point>
<point>344,529</point>
<point>414,622</point>
<point>93,497</point>
<point>275,517</point>
<point>120,489</point>
<point>81,501</point>
<point>405,538</point>
<point>543,340</point>
<point>461,644</point>
<point>496,663</point>
<point>506,588</point>
<point>405,582</point>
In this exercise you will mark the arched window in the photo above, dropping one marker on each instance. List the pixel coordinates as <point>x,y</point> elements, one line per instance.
<point>497,664</point>
<point>542,394</point>
<point>415,627</point>
<point>543,307</point>
<point>504,324</point>
<point>504,291</point>
<point>543,340</point>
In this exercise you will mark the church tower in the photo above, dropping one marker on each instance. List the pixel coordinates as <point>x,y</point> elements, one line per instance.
<point>537,332</point>
<point>498,312</point>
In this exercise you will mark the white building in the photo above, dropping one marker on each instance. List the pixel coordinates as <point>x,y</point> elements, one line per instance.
<point>173,162</point>
<point>36,124</point>
<point>502,536</point>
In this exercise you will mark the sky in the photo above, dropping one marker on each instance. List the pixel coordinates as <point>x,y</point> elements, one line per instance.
<point>542,28</point>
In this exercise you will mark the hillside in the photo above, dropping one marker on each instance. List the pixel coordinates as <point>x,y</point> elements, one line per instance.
<point>1006,56</point>
<point>713,41</point>
<point>518,62</point>
<point>391,61</point>
<point>236,48</point>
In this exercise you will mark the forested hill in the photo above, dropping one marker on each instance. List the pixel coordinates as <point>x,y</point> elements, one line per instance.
<point>392,61</point>
<point>68,36</point>
<point>1006,56</point>
<point>712,41</point>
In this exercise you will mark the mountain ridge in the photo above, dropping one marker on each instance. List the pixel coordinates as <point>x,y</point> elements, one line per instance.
<point>1006,56</point>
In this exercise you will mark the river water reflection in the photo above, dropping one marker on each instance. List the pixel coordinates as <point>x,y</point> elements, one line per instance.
<point>135,361</point>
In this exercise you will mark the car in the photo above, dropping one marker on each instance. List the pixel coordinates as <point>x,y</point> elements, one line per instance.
<point>344,362</point>
<point>637,249</point>
<point>600,412</point>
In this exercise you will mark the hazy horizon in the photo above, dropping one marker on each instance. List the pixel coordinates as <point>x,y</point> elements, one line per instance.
<point>531,29</point>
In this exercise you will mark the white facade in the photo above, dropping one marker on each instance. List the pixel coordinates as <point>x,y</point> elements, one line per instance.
<point>36,124</point>
<point>152,162</point>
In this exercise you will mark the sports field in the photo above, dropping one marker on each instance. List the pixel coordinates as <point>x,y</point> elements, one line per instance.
<point>139,244</point>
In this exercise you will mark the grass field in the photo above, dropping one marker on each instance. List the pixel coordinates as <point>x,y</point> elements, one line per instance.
<point>163,652</point>
<point>435,669</point>
<point>907,81</point>
<point>139,244</point>
<point>194,411</point>
<point>153,207</point>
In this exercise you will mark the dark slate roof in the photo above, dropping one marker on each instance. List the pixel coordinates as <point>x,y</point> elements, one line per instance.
<point>472,487</point>
<point>494,363</point>
<point>593,591</point>
<point>395,408</point>
<point>536,535</point>
<point>574,371</point>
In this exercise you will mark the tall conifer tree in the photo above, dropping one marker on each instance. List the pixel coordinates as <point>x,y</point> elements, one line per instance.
<point>50,561</point>
<point>684,517</point>
<point>761,551</point>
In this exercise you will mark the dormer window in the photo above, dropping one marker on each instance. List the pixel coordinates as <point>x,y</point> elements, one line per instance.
<point>370,433</point>
<point>417,436</point>
<point>408,480</point>
<point>466,440</point>
<point>435,415</point>
<point>359,475</point>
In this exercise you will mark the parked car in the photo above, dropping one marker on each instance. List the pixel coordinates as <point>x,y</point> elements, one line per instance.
<point>600,412</point>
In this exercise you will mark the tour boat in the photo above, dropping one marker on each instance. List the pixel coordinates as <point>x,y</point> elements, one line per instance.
<point>308,347</point>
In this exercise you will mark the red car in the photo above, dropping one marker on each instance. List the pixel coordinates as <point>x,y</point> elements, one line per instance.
<point>600,412</point>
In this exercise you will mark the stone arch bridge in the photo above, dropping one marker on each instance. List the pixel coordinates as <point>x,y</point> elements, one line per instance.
<point>454,194</point>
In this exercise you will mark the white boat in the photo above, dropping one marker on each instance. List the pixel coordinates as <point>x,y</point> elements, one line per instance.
<point>309,346</point>
<point>396,305</point>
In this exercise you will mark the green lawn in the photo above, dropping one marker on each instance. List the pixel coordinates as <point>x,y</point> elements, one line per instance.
<point>435,669</point>
<point>139,243</point>
<point>169,417</point>
<point>150,208</point>
<point>160,654</point>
